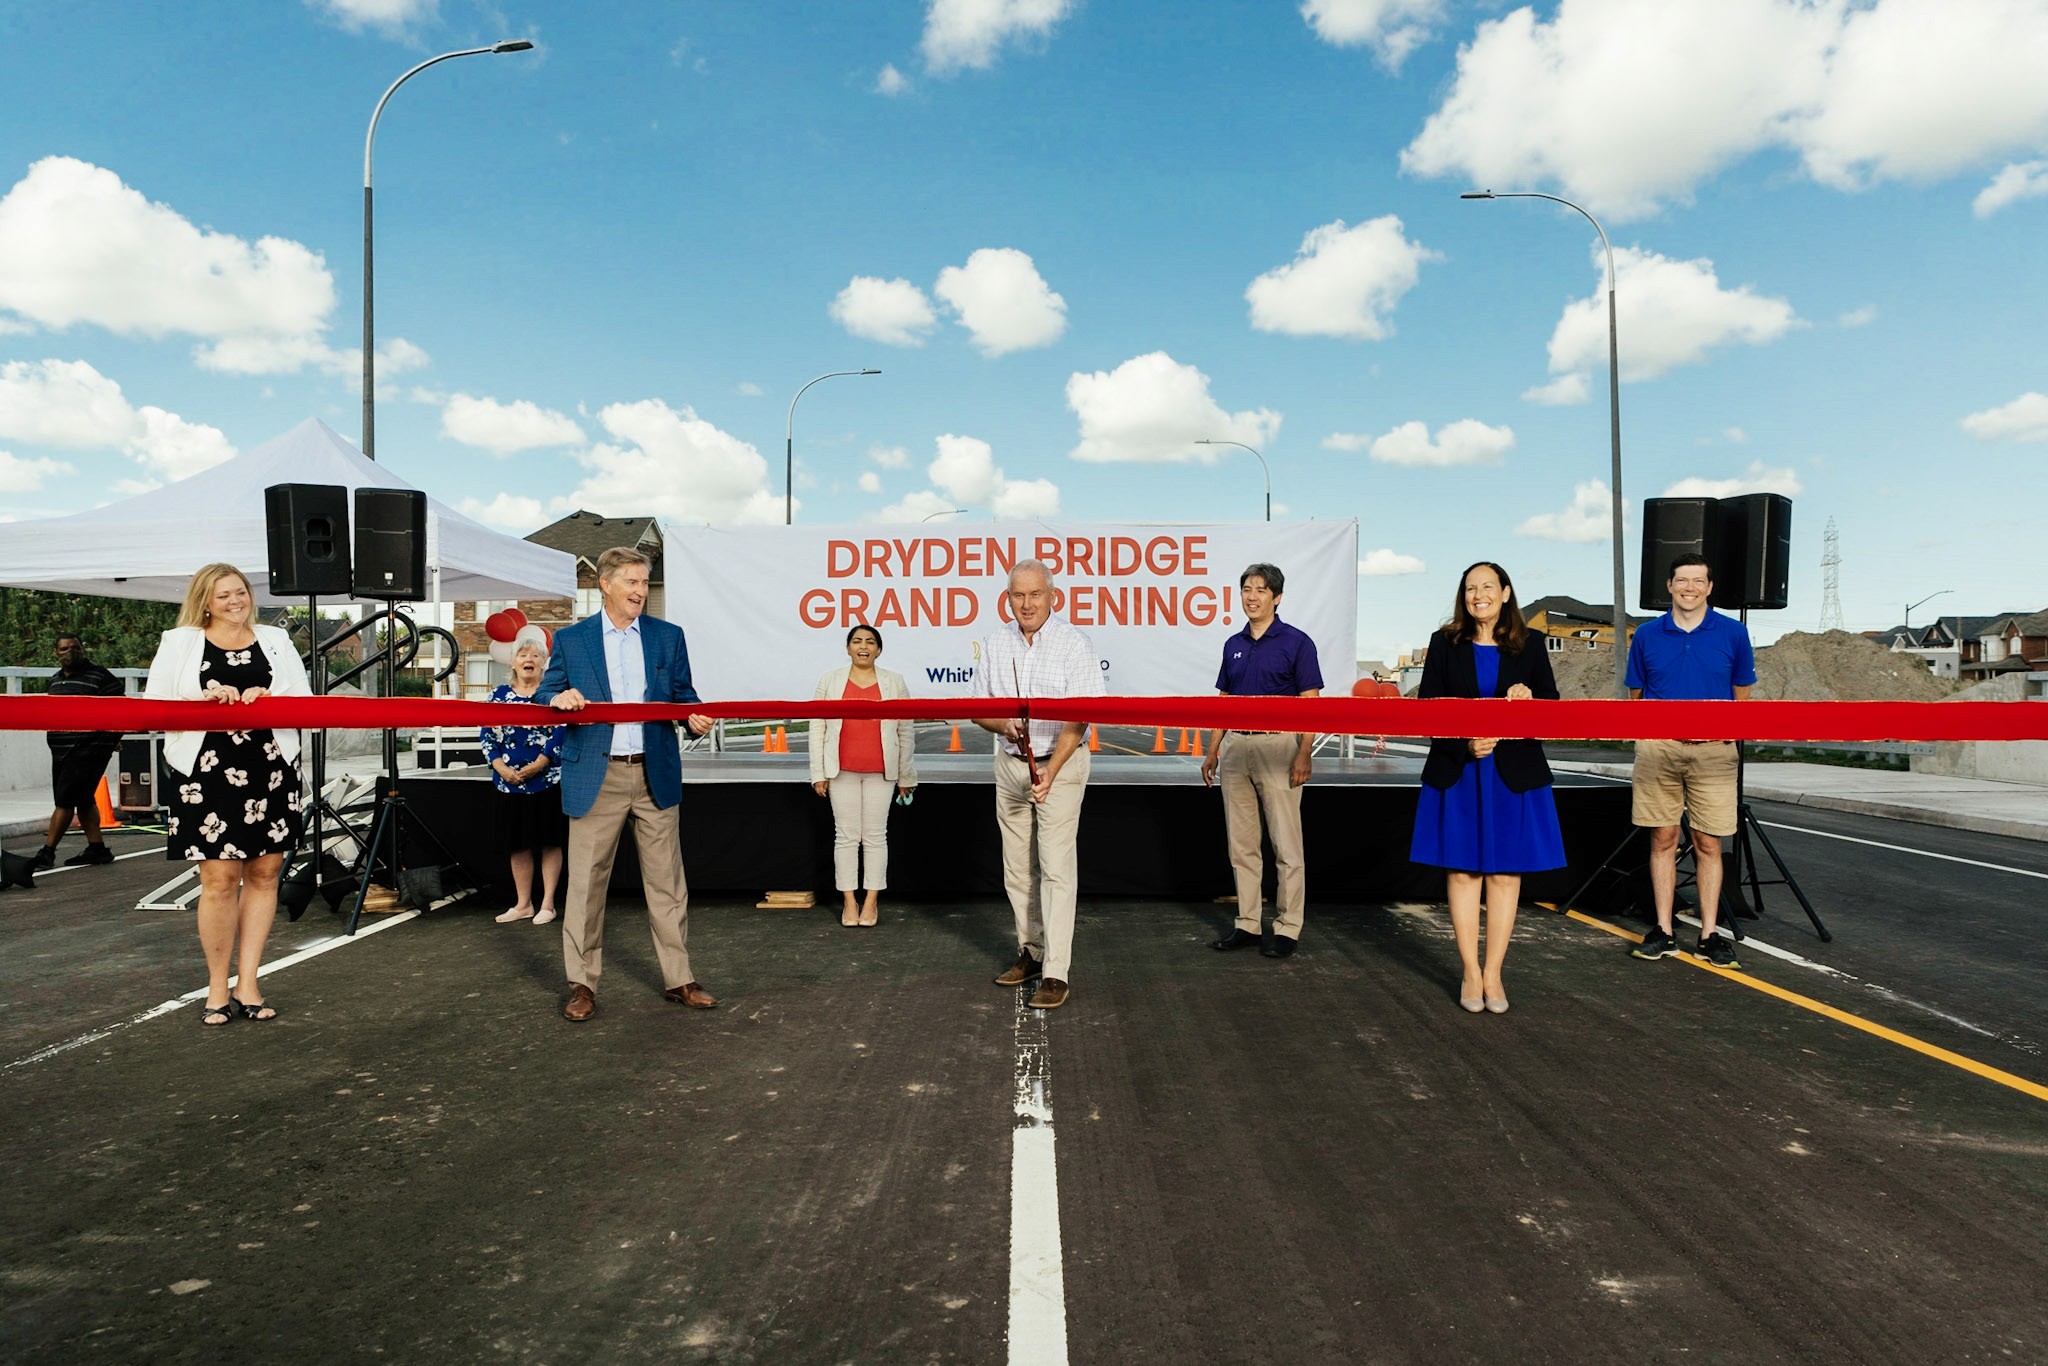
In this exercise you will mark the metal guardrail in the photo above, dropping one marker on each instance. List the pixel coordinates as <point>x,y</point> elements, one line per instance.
<point>14,675</point>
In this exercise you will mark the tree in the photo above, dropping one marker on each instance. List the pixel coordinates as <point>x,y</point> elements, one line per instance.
<point>120,633</point>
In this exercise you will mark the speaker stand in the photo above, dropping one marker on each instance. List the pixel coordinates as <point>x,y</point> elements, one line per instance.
<point>1749,832</point>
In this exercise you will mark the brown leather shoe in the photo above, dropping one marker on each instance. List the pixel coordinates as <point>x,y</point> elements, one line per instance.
<point>1051,994</point>
<point>582,1003</point>
<point>692,995</point>
<point>1023,970</point>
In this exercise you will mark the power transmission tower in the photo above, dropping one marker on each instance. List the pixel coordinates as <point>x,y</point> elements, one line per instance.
<point>1831,580</point>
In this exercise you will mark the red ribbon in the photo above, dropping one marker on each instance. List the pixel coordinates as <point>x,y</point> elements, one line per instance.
<point>1790,722</point>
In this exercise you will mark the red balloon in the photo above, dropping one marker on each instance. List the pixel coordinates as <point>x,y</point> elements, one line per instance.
<point>502,626</point>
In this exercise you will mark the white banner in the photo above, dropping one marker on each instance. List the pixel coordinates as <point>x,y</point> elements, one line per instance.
<point>767,609</point>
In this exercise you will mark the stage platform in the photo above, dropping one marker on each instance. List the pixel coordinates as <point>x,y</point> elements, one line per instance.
<point>1149,828</point>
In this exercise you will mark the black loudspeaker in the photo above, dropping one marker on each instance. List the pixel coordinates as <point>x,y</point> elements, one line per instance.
<point>1754,565</point>
<point>391,544</point>
<point>1674,527</point>
<point>307,527</point>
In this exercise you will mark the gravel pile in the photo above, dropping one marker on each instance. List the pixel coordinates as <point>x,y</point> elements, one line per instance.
<point>1832,666</point>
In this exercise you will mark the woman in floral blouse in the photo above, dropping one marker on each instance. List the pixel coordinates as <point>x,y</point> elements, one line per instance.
<point>526,766</point>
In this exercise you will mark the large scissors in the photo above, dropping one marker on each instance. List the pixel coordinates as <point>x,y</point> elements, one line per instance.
<point>1030,759</point>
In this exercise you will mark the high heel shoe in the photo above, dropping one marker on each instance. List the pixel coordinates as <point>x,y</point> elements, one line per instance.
<point>870,915</point>
<point>1497,1004</point>
<point>849,917</point>
<point>1474,1004</point>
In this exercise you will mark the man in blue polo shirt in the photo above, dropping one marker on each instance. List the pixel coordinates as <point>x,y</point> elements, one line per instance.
<point>1268,658</point>
<point>1691,653</point>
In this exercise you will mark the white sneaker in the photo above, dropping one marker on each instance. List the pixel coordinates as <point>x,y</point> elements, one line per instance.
<point>514,914</point>
<point>547,913</point>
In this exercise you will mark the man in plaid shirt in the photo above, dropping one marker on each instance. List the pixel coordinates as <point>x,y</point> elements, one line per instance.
<point>1036,655</point>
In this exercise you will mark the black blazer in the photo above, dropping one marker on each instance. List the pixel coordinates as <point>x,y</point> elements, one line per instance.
<point>1449,671</point>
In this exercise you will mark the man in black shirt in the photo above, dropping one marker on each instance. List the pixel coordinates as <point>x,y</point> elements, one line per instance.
<point>78,758</point>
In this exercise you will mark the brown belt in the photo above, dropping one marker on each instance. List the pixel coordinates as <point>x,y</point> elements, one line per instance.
<point>629,758</point>
<point>1259,732</point>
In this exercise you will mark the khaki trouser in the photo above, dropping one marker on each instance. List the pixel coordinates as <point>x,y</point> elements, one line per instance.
<point>860,826</point>
<point>593,843</point>
<point>1253,772</point>
<point>1040,866</point>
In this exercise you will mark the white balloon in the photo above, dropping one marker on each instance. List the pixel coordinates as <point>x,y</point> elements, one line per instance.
<point>501,650</point>
<point>533,635</point>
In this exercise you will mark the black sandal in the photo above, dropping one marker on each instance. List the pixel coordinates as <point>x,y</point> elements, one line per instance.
<point>226,1010</point>
<point>248,1011</point>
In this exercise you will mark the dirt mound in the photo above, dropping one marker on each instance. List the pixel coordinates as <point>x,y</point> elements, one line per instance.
<point>1835,666</point>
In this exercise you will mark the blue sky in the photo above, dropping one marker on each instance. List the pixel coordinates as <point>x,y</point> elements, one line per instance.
<point>1075,236</point>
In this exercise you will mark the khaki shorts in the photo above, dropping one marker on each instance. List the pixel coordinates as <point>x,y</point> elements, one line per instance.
<point>1672,779</point>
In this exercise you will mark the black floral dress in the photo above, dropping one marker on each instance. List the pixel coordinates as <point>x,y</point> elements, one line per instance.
<point>242,798</point>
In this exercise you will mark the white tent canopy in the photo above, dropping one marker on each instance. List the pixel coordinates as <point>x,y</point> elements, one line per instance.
<point>147,546</point>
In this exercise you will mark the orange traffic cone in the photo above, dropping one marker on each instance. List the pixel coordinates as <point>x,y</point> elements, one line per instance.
<point>782,739</point>
<point>101,799</point>
<point>1159,739</point>
<point>1094,741</point>
<point>768,740</point>
<point>1197,751</point>
<point>1183,741</point>
<point>953,745</point>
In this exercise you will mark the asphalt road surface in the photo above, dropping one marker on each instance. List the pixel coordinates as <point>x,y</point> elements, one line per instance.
<point>1319,1159</point>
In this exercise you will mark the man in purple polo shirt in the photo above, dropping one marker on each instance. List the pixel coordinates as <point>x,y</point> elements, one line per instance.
<point>1261,768</point>
<point>1691,653</point>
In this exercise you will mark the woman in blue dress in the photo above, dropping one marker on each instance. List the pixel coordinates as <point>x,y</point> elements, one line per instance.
<point>526,767</point>
<point>1487,814</point>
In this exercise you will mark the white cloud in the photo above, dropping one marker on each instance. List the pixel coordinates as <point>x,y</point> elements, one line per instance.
<point>1858,317</point>
<point>750,389</point>
<point>965,474</point>
<point>1347,441</point>
<point>1465,442</point>
<point>1343,282</point>
<point>965,469</point>
<point>503,428</point>
<point>890,457</point>
<point>391,16</point>
<point>891,82</point>
<point>894,312</point>
<point>1393,28</point>
<point>1383,563</point>
<point>1756,479</point>
<point>915,507</point>
<point>1735,436</point>
<point>869,482</point>
<point>514,511</point>
<point>1887,90</point>
<point>1000,298</point>
<point>674,464</point>
<point>1152,408</point>
<point>1024,499</point>
<point>25,474</point>
<point>2020,180</point>
<point>1589,518</point>
<point>969,33</point>
<point>1561,392</point>
<point>2023,419</point>
<point>1671,313</point>
<point>71,405</point>
<point>79,247</point>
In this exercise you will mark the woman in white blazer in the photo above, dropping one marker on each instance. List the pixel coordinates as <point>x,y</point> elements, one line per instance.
<point>236,805</point>
<point>859,764</point>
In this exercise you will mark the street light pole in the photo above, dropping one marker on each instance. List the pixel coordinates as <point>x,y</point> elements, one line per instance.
<point>369,274</point>
<point>1263,467</point>
<point>789,446</point>
<point>942,512</point>
<point>1923,602</point>
<point>1614,424</point>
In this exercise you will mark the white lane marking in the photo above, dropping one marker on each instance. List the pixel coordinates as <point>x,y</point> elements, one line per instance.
<point>1038,1297</point>
<point>1750,941</point>
<point>81,867</point>
<point>313,950</point>
<point>1906,849</point>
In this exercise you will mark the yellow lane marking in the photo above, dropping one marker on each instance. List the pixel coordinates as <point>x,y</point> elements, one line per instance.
<point>1985,1070</point>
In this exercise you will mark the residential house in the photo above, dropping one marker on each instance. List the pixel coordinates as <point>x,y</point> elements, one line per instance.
<point>2015,642</point>
<point>1569,623</point>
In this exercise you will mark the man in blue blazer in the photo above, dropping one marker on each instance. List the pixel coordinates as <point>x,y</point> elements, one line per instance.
<point>615,773</point>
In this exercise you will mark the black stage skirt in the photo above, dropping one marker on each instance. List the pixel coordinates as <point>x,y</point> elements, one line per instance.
<point>533,820</point>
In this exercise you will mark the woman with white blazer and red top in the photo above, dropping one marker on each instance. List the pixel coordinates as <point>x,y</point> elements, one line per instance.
<point>860,765</point>
<point>237,804</point>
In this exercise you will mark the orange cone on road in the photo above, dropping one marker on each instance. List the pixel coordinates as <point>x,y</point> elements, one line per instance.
<point>1094,741</point>
<point>953,744</point>
<point>1159,739</point>
<point>101,799</point>
<point>1183,741</point>
<point>1197,751</point>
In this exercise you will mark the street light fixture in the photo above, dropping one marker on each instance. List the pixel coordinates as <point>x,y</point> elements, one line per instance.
<point>1614,423</point>
<point>789,446</point>
<point>369,276</point>
<point>1929,598</point>
<point>942,512</point>
<point>1267,471</point>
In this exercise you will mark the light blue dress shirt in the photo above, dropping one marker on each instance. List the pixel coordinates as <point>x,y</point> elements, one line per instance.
<point>625,665</point>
